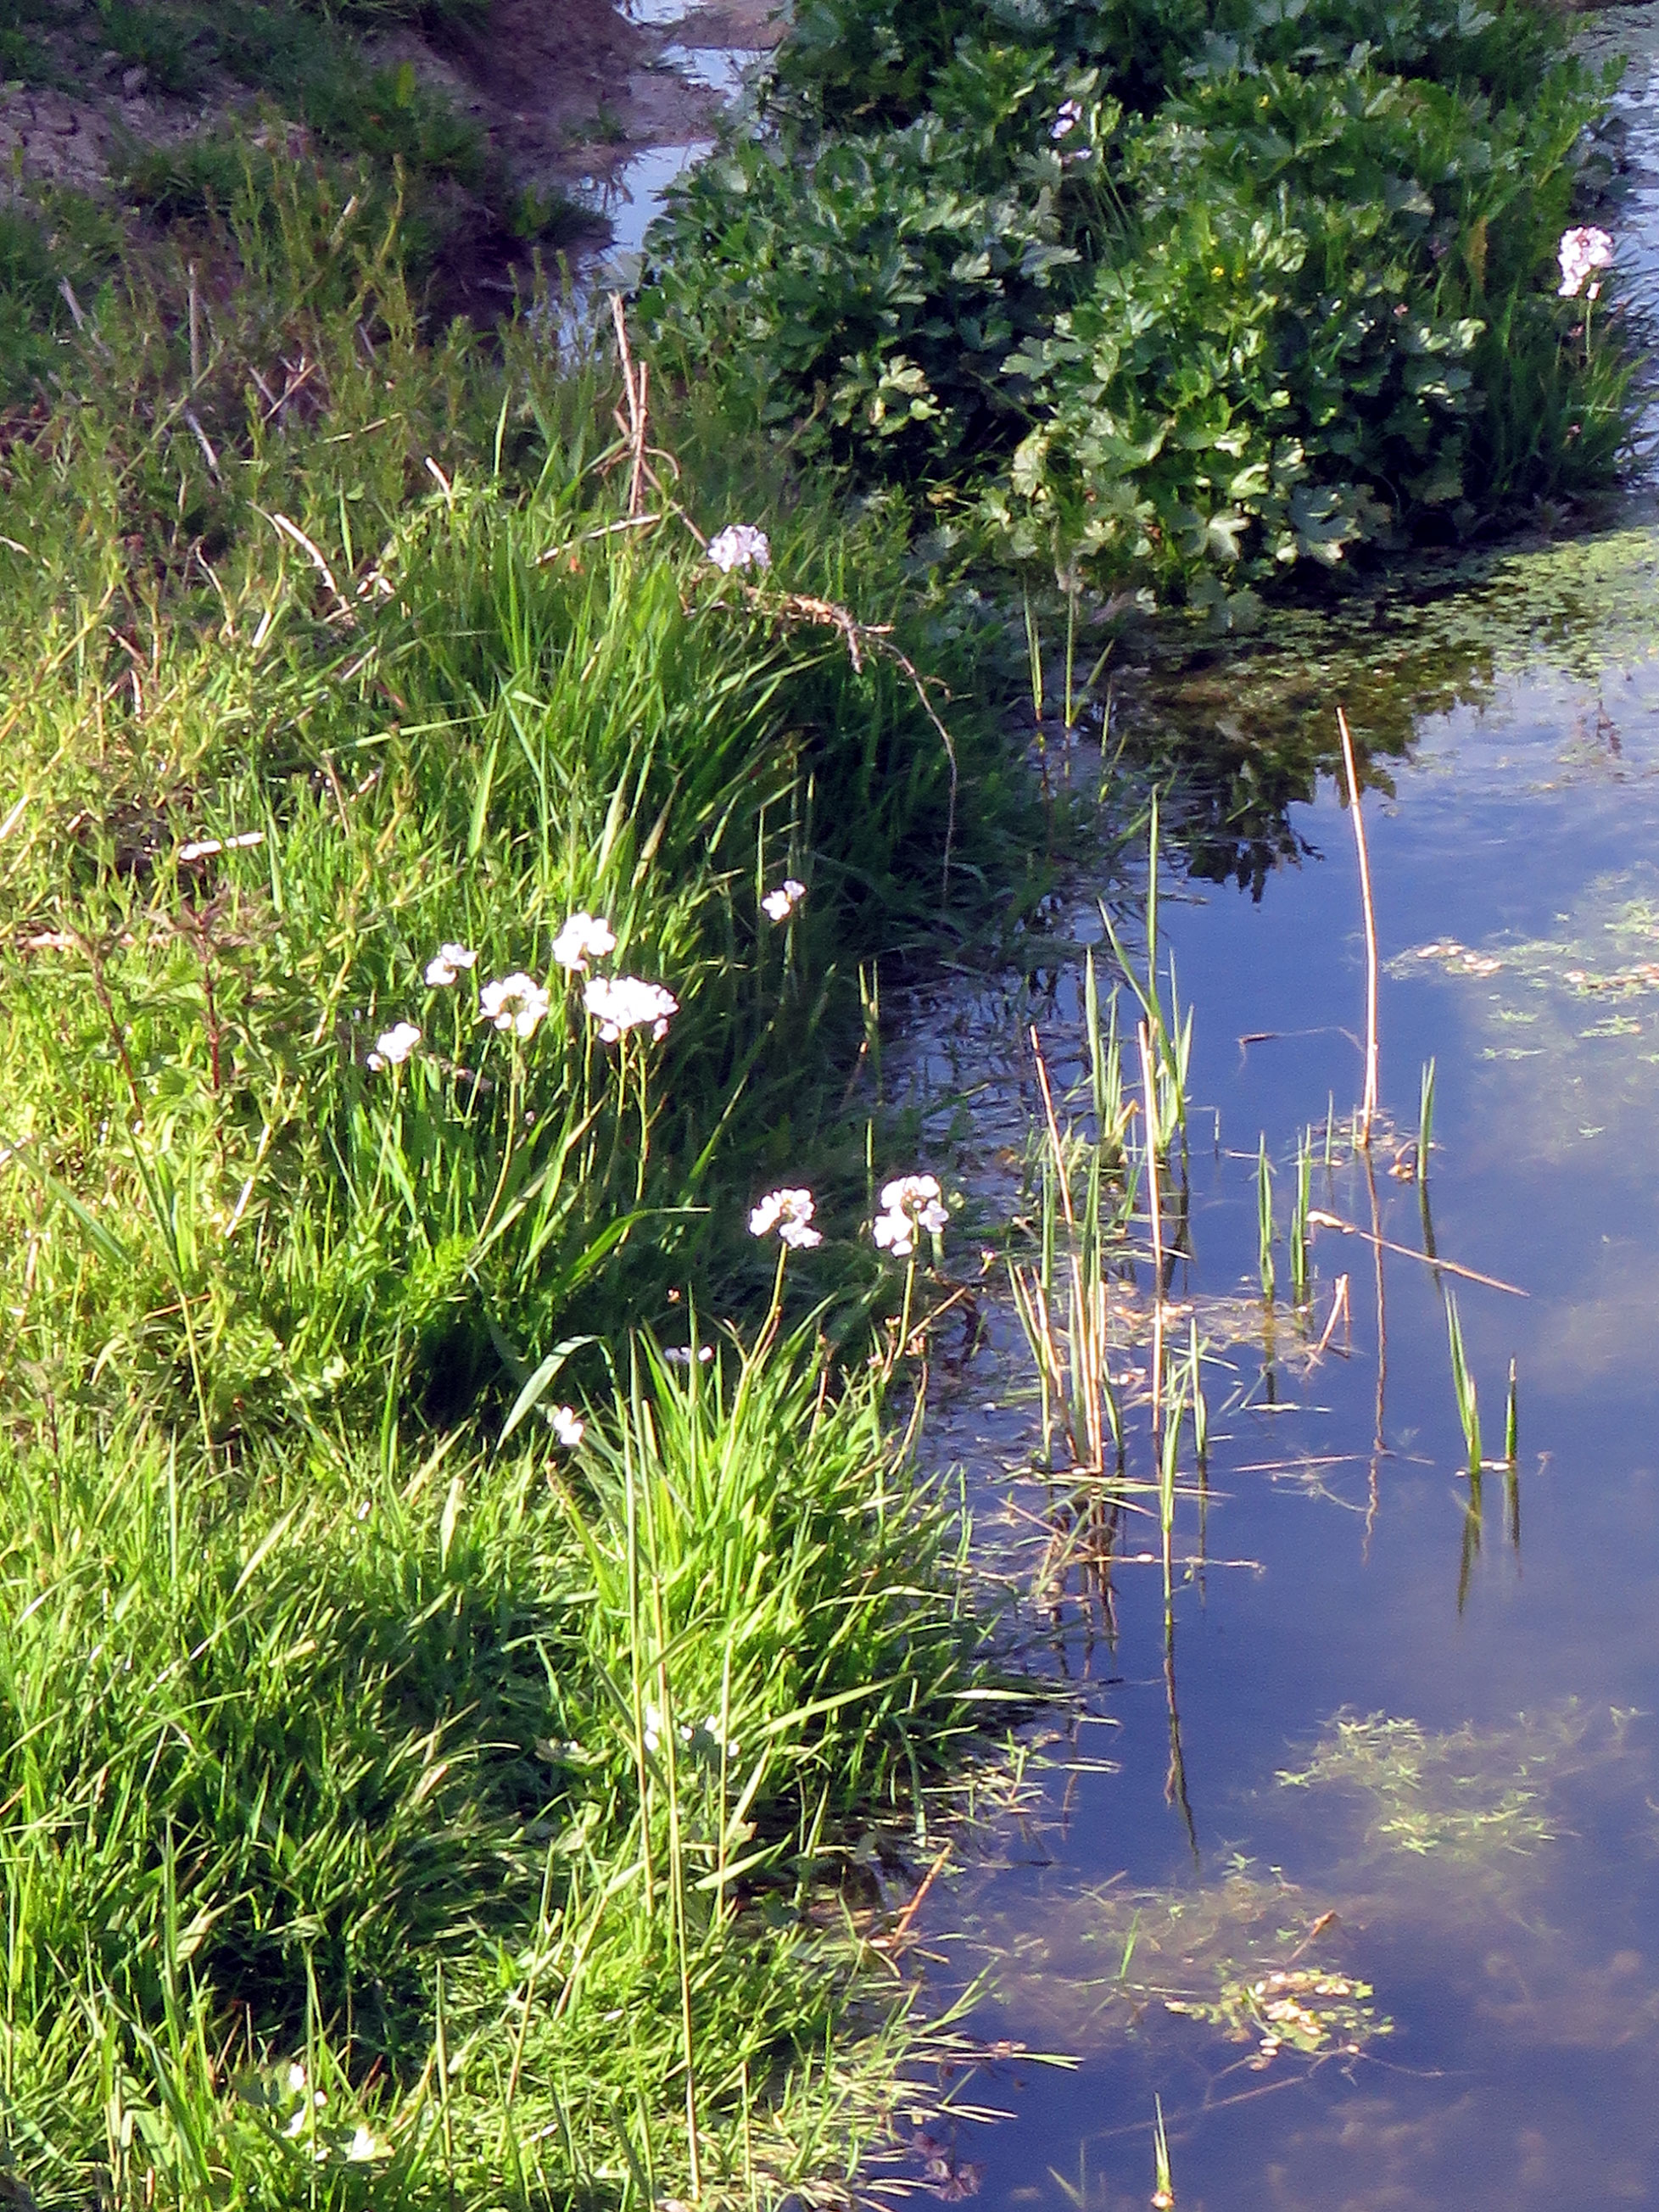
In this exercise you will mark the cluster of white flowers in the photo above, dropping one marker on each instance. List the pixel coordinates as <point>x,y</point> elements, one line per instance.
<point>392,1047</point>
<point>708,1728</point>
<point>680,1355</point>
<point>447,964</point>
<point>514,1002</point>
<point>584,937</point>
<point>909,1205</point>
<point>790,1213</point>
<point>780,904</point>
<point>568,1426</point>
<point>620,1003</point>
<point>1583,250</point>
<point>740,545</point>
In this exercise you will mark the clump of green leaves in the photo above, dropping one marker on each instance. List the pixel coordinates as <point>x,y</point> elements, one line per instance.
<point>1156,290</point>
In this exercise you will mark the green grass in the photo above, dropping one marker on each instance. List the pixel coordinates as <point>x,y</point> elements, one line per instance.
<point>357,1738</point>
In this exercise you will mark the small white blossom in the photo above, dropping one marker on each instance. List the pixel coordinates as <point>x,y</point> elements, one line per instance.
<point>1070,115</point>
<point>447,964</point>
<point>679,1355</point>
<point>909,1205</point>
<point>392,1047</point>
<point>740,545</point>
<point>624,1002</point>
<point>780,904</point>
<point>568,1426</point>
<point>364,2146</point>
<point>295,2077</point>
<point>790,1213</point>
<point>584,937</point>
<point>514,1002</point>
<point>1581,251</point>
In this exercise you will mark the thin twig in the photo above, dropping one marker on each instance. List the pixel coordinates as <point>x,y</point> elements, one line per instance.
<point>314,553</point>
<point>1317,1220</point>
<point>1339,1312</point>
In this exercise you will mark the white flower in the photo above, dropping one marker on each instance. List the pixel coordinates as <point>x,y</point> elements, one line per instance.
<point>364,2146</point>
<point>1580,252</point>
<point>584,938</point>
<point>740,545</point>
<point>516,1002</point>
<point>1070,115</point>
<point>295,2077</point>
<point>788,1211</point>
<point>392,1047</point>
<point>780,904</point>
<point>447,964</point>
<point>568,1426</point>
<point>909,1204</point>
<point>679,1355</point>
<point>624,1002</point>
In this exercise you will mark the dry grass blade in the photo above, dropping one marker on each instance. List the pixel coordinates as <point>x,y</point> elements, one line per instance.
<point>1368,1109</point>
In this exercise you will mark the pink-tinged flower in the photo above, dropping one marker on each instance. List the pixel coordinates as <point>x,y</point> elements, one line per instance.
<point>447,964</point>
<point>740,545</point>
<point>1066,120</point>
<point>620,1003</point>
<point>779,905</point>
<point>392,1047</point>
<point>584,938</point>
<point>790,1213</point>
<point>1582,252</point>
<point>909,1205</point>
<point>516,1002</point>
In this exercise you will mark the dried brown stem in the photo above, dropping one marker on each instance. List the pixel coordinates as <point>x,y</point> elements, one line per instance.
<point>1368,1109</point>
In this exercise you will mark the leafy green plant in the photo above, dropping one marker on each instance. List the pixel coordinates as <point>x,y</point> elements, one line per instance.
<point>1156,291</point>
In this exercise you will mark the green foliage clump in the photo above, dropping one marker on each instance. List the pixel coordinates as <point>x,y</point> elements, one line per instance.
<point>367,1734</point>
<point>1195,293</point>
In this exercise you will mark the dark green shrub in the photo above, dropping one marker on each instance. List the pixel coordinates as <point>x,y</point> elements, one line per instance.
<point>1159,286</point>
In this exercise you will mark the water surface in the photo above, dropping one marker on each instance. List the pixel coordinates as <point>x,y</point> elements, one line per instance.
<point>1414,1742</point>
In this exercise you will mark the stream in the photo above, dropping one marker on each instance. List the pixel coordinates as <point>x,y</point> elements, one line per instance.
<point>1356,1873</point>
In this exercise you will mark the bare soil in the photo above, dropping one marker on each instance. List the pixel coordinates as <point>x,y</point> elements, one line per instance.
<point>565,90</point>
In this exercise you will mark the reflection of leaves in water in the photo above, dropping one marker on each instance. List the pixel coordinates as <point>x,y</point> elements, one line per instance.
<point>1578,995</point>
<point>1246,728</point>
<point>1465,1794</point>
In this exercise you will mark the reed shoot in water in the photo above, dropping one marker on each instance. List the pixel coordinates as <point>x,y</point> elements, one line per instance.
<point>1264,1211</point>
<point>1300,1218</point>
<point>1163,2174</point>
<point>1469,1404</point>
<point>1511,1423</point>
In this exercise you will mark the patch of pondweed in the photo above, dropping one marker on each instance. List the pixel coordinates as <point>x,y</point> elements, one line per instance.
<point>1468,1797</point>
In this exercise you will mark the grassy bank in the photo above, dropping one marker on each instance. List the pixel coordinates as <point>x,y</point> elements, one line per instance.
<point>430,1711</point>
